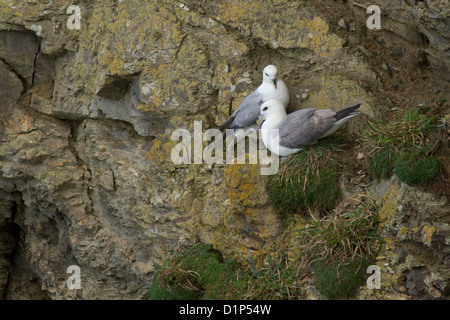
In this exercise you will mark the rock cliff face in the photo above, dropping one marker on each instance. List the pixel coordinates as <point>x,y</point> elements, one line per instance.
<point>86,176</point>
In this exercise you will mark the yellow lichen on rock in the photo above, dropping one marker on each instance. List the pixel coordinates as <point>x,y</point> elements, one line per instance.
<point>239,11</point>
<point>243,181</point>
<point>161,151</point>
<point>389,204</point>
<point>312,34</point>
<point>244,227</point>
<point>403,232</point>
<point>282,28</point>
<point>291,238</point>
<point>168,86</point>
<point>123,39</point>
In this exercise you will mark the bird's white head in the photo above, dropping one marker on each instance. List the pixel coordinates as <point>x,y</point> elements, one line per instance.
<point>271,108</point>
<point>270,73</point>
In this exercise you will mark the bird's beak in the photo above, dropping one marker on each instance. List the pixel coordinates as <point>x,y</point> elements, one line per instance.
<point>261,119</point>
<point>275,82</point>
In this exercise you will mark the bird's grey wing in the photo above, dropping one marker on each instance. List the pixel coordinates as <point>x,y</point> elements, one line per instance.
<point>246,114</point>
<point>302,128</point>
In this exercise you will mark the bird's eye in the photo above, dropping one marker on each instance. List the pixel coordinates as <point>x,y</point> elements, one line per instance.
<point>266,73</point>
<point>265,108</point>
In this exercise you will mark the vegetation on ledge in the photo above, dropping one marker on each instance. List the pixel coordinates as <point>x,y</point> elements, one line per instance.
<point>417,168</point>
<point>341,280</point>
<point>200,273</point>
<point>401,146</point>
<point>338,245</point>
<point>306,180</point>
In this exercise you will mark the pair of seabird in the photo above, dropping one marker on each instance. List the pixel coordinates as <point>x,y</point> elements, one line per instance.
<point>267,106</point>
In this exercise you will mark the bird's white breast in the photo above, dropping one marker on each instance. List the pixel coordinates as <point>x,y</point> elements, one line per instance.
<point>271,140</point>
<point>280,93</point>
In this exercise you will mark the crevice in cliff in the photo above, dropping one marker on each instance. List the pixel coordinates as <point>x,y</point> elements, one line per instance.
<point>230,107</point>
<point>25,86</point>
<point>179,46</point>
<point>13,232</point>
<point>113,181</point>
<point>72,141</point>
<point>38,50</point>
<point>128,125</point>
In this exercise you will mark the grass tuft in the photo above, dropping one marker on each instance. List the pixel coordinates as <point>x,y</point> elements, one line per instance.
<point>402,133</point>
<point>346,237</point>
<point>381,164</point>
<point>392,144</point>
<point>200,273</point>
<point>276,281</point>
<point>340,280</point>
<point>415,168</point>
<point>306,180</point>
<point>195,273</point>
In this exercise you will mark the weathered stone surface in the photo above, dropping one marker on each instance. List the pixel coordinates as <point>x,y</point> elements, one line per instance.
<point>19,50</point>
<point>422,37</point>
<point>415,254</point>
<point>114,88</point>
<point>11,86</point>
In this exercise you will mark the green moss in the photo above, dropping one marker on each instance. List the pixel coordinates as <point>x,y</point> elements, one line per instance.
<point>416,168</point>
<point>381,164</point>
<point>341,280</point>
<point>307,179</point>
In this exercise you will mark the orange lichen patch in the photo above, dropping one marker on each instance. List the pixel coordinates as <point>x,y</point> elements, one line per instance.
<point>23,124</point>
<point>427,233</point>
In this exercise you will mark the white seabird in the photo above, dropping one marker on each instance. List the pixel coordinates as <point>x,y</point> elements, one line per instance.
<point>300,128</point>
<point>245,116</point>
<point>247,113</point>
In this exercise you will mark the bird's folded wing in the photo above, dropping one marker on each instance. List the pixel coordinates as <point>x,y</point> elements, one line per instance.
<point>303,127</point>
<point>246,114</point>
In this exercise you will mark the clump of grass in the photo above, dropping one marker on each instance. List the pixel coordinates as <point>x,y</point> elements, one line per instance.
<point>172,291</point>
<point>196,273</point>
<point>416,168</point>
<point>338,239</point>
<point>402,133</point>
<point>200,273</point>
<point>307,179</point>
<point>276,281</point>
<point>346,235</point>
<point>343,234</point>
<point>336,281</point>
<point>381,163</point>
<point>384,142</point>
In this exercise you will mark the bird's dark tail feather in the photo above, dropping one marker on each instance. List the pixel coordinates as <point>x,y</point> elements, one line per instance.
<point>227,123</point>
<point>345,112</point>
